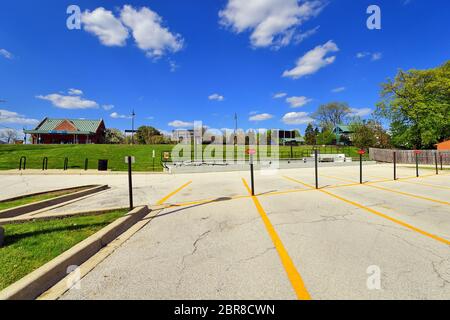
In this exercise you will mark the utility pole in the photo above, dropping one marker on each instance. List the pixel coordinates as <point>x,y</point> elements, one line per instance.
<point>133,115</point>
<point>235,128</point>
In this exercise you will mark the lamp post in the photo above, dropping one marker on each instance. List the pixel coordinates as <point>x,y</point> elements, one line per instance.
<point>133,115</point>
<point>235,128</point>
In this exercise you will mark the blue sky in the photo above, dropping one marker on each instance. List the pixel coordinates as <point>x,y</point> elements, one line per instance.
<point>178,61</point>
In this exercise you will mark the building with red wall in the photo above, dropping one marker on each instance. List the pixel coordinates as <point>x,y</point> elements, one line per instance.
<point>444,146</point>
<point>68,131</point>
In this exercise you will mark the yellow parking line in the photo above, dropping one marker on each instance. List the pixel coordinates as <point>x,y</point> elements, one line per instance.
<point>410,195</point>
<point>276,193</point>
<point>163,200</point>
<point>396,191</point>
<point>437,186</point>
<point>404,224</point>
<point>298,181</point>
<point>210,200</point>
<point>402,180</point>
<point>292,273</point>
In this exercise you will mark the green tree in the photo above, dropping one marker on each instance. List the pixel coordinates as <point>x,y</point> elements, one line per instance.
<point>326,137</point>
<point>310,135</point>
<point>370,133</point>
<point>363,136</point>
<point>331,114</point>
<point>417,103</point>
<point>114,136</point>
<point>145,134</point>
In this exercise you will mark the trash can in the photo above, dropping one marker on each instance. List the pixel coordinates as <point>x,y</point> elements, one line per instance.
<point>102,165</point>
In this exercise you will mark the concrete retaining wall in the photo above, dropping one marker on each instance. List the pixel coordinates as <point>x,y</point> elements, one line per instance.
<point>27,208</point>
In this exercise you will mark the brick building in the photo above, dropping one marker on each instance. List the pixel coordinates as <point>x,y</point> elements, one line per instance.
<point>444,146</point>
<point>68,131</point>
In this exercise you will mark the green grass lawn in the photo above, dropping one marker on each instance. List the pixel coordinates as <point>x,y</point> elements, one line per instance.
<point>115,154</point>
<point>30,245</point>
<point>31,199</point>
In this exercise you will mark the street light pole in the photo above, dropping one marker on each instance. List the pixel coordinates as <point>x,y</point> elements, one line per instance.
<point>133,115</point>
<point>235,128</point>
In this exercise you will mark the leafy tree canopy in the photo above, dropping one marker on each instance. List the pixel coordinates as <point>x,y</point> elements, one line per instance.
<point>417,103</point>
<point>331,114</point>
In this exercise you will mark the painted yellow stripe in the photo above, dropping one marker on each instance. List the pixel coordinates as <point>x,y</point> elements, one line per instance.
<point>292,273</point>
<point>402,180</point>
<point>404,224</point>
<point>396,191</point>
<point>437,186</point>
<point>276,193</point>
<point>204,201</point>
<point>410,195</point>
<point>170,195</point>
<point>298,181</point>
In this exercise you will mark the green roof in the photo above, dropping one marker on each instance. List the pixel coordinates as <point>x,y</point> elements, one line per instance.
<point>83,126</point>
<point>344,128</point>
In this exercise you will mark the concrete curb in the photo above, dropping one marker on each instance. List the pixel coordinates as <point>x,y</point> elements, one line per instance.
<point>56,216</point>
<point>31,172</point>
<point>40,280</point>
<point>2,236</point>
<point>66,284</point>
<point>27,208</point>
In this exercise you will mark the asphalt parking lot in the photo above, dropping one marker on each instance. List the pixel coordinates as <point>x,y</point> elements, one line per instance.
<point>384,239</point>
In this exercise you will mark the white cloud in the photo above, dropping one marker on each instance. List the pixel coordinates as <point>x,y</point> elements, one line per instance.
<point>216,97</point>
<point>6,54</point>
<point>297,102</point>
<point>271,22</point>
<point>180,124</point>
<point>305,35</point>
<point>69,101</point>
<point>361,55</point>
<point>108,28</point>
<point>261,117</point>
<point>373,56</point>
<point>363,112</point>
<point>108,107</point>
<point>313,61</point>
<point>115,115</point>
<point>75,92</point>
<point>173,66</point>
<point>297,118</point>
<point>279,95</point>
<point>149,33</point>
<point>337,90</point>
<point>377,56</point>
<point>12,117</point>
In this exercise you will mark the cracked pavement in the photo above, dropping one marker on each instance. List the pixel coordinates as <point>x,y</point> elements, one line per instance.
<point>222,250</point>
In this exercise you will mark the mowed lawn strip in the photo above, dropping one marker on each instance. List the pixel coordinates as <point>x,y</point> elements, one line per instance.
<point>31,199</point>
<point>30,245</point>
<point>115,154</point>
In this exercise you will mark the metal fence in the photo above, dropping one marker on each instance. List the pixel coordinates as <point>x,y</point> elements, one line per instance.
<point>409,156</point>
